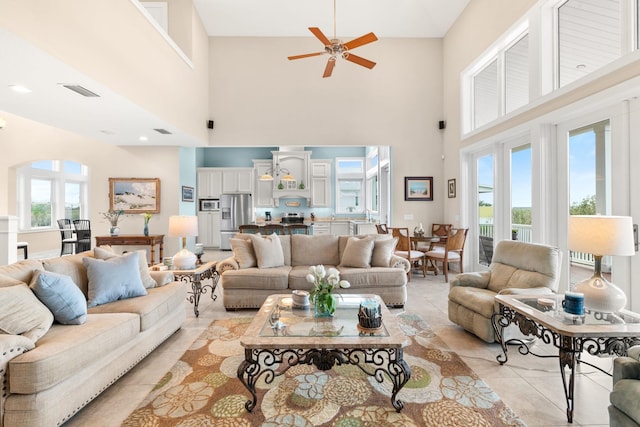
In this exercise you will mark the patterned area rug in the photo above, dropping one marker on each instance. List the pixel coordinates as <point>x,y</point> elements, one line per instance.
<point>202,389</point>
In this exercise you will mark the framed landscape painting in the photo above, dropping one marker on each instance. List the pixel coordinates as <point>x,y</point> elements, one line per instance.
<point>419,188</point>
<point>134,195</point>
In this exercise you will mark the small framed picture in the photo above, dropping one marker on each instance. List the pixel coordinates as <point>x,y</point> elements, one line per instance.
<point>451,188</point>
<point>187,194</point>
<point>418,188</point>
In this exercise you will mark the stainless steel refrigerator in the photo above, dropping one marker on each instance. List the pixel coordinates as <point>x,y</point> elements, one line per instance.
<point>235,210</point>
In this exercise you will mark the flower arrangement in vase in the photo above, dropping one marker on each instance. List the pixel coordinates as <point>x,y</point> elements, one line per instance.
<point>147,217</point>
<point>324,283</point>
<point>113,217</point>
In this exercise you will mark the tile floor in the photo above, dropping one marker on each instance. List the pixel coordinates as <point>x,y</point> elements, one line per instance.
<point>531,386</point>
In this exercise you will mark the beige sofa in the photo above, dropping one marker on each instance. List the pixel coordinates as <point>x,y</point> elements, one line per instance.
<point>376,271</point>
<point>516,268</point>
<point>47,379</point>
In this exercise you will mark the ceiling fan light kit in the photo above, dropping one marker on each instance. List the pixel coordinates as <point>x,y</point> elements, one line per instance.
<point>336,48</point>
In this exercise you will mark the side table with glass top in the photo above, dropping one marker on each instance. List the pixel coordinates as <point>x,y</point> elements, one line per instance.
<point>597,334</point>
<point>195,277</point>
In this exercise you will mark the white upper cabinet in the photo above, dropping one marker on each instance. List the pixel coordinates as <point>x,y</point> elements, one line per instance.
<point>263,194</point>
<point>297,164</point>
<point>237,180</point>
<point>209,183</point>
<point>320,183</point>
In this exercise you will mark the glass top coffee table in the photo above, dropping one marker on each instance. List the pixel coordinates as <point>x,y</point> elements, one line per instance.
<point>595,333</point>
<point>282,335</point>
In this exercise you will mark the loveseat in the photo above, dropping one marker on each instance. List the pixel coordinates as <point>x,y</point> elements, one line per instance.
<point>50,370</point>
<point>624,410</point>
<point>516,268</point>
<point>265,265</point>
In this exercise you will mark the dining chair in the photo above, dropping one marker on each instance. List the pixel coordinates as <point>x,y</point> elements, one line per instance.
<point>83,234</point>
<point>382,228</point>
<point>68,240</point>
<point>249,229</point>
<point>298,229</point>
<point>403,249</point>
<point>273,228</point>
<point>451,252</point>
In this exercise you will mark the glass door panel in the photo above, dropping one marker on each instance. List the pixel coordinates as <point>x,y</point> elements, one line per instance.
<point>485,208</point>
<point>521,193</point>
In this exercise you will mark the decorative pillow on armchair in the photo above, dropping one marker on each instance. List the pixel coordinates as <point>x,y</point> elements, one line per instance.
<point>113,279</point>
<point>268,250</point>
<point>357,252</point>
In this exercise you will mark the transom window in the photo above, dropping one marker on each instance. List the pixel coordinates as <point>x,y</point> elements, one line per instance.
<point>49,190</point>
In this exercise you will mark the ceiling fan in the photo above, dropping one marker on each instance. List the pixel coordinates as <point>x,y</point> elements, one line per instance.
<point>335,48</point>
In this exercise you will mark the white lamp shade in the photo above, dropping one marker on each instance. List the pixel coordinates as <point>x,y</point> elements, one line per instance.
<point>183,226</point>
<point>601,235</point>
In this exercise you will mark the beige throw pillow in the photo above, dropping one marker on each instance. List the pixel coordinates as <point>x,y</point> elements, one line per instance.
<point>268,250</point>
<point>243,252</point>
<point>22,313</point>
<point>383,249</point>
<point>147,281</point>
<point>357,252</point>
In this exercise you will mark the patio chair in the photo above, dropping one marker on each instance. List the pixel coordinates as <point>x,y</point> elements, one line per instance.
<point>68,240</point>
<point>83,234</point>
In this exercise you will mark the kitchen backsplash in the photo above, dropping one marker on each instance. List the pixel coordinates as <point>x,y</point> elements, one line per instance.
<point>304,209</point>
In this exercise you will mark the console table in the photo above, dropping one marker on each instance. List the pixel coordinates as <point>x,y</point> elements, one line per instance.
<point>135,240</point>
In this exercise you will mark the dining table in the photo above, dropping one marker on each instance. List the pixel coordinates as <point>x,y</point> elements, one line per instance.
<point>432,240</point>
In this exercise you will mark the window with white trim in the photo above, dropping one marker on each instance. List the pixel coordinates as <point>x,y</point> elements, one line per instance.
<point>373,189</point>
<point>49,190</point>
<point>350,177</point>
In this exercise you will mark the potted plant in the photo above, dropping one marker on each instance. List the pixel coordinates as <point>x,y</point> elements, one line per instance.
<point>324,282</point>
<point>514,234</point>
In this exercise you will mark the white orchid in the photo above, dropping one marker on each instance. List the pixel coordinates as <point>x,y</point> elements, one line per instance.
<point>325,280</point>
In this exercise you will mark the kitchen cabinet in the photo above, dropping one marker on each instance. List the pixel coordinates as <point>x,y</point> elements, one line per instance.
<point>340,228</point>
<point>209,229</point>
<point>361,228</point>
<point>320,228</point>
<point>320,183</point>
<point>209,183</point>
<point>263,194</point>
<point>237,180</point>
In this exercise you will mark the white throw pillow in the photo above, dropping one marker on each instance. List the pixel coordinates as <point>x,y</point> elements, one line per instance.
<point>106,252</point>
<point>383,249</point>
<point>243,252</point>
<point>22,313</point>
<point>268,250</point>
<point>357,252</point>
<point>113,279</point>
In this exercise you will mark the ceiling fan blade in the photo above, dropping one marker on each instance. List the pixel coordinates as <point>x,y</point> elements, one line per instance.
<point>367,38</point>
<point>306,55</point>
<point>359,60</point>
<point>329,68</point>
<point>316,32</point>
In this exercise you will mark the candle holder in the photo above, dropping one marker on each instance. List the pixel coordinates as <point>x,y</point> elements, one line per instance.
<point>369,317</point>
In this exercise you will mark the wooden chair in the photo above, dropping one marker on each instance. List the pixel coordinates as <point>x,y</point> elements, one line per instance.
<point>298,229</point>
<point>403,249</point>
<point>249,229</point>
<point>451,252</point>
<point>382,228</point>
<point>83,234</point>
<point>273,228</point>
<point>66,234</point>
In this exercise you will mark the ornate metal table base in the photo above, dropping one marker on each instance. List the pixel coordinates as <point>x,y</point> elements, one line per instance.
<point>569,347</point>
<point>378,363</point>
<point>195,278</point>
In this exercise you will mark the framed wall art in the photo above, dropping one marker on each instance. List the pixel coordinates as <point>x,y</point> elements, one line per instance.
<point>134,195</point>
<point>187,194</point>
<point>451,188</point>
<point>418,188</point>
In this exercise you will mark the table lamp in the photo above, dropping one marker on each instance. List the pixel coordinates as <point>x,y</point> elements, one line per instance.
<point>601,235</point>
<point>183,226</point>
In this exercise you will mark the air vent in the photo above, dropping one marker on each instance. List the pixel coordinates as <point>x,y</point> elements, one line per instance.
<point>163,131</point>
<point>82,91</point>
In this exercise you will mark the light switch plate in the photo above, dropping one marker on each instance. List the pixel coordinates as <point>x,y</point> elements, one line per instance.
<point>408,217</point>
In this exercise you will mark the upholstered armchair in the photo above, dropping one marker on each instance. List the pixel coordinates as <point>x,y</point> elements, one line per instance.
<point>624,410</point>
<point>516,268</point>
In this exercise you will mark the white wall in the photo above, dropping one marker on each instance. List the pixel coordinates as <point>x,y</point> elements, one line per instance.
<point>259,98</point>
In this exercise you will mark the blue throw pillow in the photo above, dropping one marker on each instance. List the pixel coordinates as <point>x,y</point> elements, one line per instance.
<point>113,279</point>
<point>61,296</point>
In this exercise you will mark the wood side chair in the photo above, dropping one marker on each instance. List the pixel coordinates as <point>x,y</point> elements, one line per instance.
<point>403,249</point>
<point>451,252</point>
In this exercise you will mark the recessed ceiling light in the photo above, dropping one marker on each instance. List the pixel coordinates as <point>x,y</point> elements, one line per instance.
<point>19,89</point>
<point>581,67</point>
<point>143,138</point>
